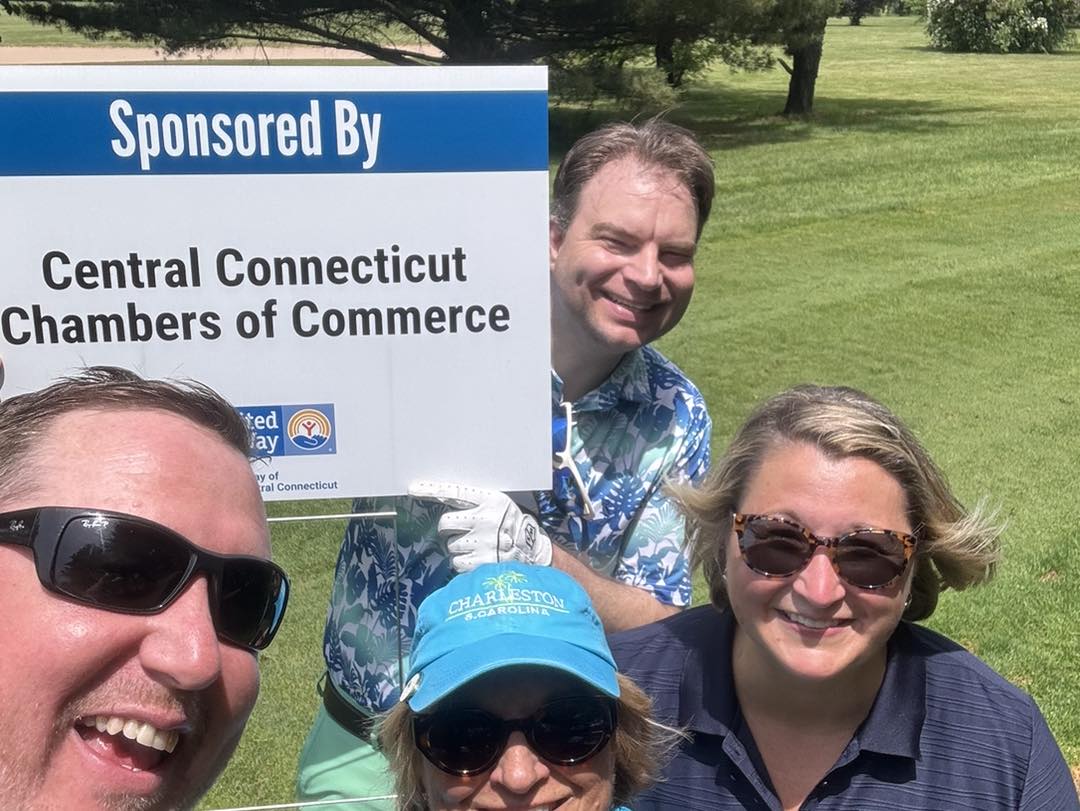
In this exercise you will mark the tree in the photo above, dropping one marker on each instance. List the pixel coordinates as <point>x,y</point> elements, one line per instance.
<point>740,33</point>
<point>804,40</point>
<point>680,35</point>
<point>855,10</point>
<point>689,35</point>
<point>799,25</point>
<point>447,31</point>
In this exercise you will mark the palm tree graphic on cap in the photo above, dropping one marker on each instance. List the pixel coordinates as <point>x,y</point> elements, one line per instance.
<point>504,581</point>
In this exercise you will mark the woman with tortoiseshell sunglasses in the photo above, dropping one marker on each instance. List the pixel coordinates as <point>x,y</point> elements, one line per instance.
<point>824,533</point>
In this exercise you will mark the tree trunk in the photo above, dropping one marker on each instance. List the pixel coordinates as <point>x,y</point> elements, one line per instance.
<point>468,40</point>
<point>806,58</point>
<point>665,59</point>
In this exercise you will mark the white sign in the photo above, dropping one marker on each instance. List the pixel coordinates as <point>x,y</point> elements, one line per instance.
<point>356,257</point>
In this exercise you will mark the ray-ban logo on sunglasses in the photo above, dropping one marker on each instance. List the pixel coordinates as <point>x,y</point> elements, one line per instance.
<point>16,526</point>
<point>95,522</point>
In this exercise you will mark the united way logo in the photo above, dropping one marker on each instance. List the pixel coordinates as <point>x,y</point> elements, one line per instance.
<point>291,430</point>
<point>309,429</point>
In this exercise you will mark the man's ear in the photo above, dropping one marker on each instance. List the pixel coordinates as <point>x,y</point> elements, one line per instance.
<point>556,235</point>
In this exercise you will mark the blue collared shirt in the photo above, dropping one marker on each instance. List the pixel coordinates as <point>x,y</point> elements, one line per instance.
<point>944,733</point>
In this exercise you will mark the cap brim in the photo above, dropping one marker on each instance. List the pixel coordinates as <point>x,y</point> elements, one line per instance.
<point>460,666</point>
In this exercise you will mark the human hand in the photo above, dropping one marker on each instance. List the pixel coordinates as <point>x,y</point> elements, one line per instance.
<point>486,527</point>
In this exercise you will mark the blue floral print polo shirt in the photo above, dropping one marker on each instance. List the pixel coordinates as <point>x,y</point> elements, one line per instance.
<point>645,425</point>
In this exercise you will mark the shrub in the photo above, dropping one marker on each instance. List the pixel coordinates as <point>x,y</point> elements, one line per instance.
<point>855,10</point>
<point>903,8</point>
<point>633,85</point>
<point>1005,26</point>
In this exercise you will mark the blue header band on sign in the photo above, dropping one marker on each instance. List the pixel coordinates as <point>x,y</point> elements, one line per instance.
<point>211,133</point>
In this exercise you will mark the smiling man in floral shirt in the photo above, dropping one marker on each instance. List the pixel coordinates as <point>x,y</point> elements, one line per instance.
<point>628,206</point>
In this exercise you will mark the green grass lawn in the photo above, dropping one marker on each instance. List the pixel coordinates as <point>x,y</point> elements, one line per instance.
<point>919,239</point>
<point>16,31</point>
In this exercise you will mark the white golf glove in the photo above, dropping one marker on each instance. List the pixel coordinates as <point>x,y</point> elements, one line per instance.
<point>487,526</point>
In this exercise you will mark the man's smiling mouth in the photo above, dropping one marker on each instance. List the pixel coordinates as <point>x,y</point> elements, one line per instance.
<point>135,744</point>
<point>630,305</point>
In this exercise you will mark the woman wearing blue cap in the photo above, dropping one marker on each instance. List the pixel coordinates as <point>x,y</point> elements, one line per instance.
<point>512,701</point>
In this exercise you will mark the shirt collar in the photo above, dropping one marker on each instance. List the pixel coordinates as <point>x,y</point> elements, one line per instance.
<point>629,381</point>
<point>895,721</point>
<point>707,701</point>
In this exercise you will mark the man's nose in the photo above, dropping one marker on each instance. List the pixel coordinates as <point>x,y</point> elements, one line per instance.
<point>181,649</point>
<point>644,269</point>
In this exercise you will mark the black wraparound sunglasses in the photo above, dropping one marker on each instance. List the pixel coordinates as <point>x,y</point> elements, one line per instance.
<point>467,741</point>
<point>124,563</point>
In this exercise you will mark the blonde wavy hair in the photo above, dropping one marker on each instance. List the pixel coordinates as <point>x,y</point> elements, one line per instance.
<point>641,747</point>
<point>956,548</point>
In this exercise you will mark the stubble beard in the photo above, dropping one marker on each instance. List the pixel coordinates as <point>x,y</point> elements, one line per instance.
<point>20,790</point>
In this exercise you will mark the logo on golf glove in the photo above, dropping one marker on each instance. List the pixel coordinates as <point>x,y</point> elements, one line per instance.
<point>486,526</point>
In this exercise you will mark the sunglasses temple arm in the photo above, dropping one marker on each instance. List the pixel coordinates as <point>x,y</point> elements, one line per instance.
<point>587,507</point>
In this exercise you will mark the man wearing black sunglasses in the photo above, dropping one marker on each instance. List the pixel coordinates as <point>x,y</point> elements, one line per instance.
<point>135,587</point>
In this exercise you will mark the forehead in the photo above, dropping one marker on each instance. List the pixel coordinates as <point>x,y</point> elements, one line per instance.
<point>627,179</point>
<point>156,465</point>
<point>827,492</point>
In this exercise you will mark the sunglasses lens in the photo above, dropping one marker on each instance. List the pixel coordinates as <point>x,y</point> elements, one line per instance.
<point>870,559</point>
<point>573,729</point>
<point>253,594</point>
<point>460,741</point>
<point>774,547</point>
<point>470,741</point>
<point>116,564</point>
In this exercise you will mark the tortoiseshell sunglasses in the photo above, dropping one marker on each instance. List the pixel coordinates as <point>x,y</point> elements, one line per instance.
<point>866,558</point>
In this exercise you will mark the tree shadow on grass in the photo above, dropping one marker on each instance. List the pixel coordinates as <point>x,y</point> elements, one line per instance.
<point>725,118</point>
<point>1066,54</point>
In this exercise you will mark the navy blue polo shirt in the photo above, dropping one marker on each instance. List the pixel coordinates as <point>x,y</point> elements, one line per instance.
<point>945,731</point>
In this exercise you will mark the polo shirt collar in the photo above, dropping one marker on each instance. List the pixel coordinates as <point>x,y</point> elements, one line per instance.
<point>707,701</point>
<point>895,721</point>
<point>628,381</point>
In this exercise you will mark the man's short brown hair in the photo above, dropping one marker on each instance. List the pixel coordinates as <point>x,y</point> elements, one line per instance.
<point>655,143</point>
<point>26,418</point>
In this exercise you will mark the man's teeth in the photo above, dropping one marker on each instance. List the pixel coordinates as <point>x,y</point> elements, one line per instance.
<point>629,304</point>
<point>817,625</point>
<point>138,731</point>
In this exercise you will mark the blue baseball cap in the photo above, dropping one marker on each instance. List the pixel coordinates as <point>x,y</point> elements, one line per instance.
<point>500,615</point>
